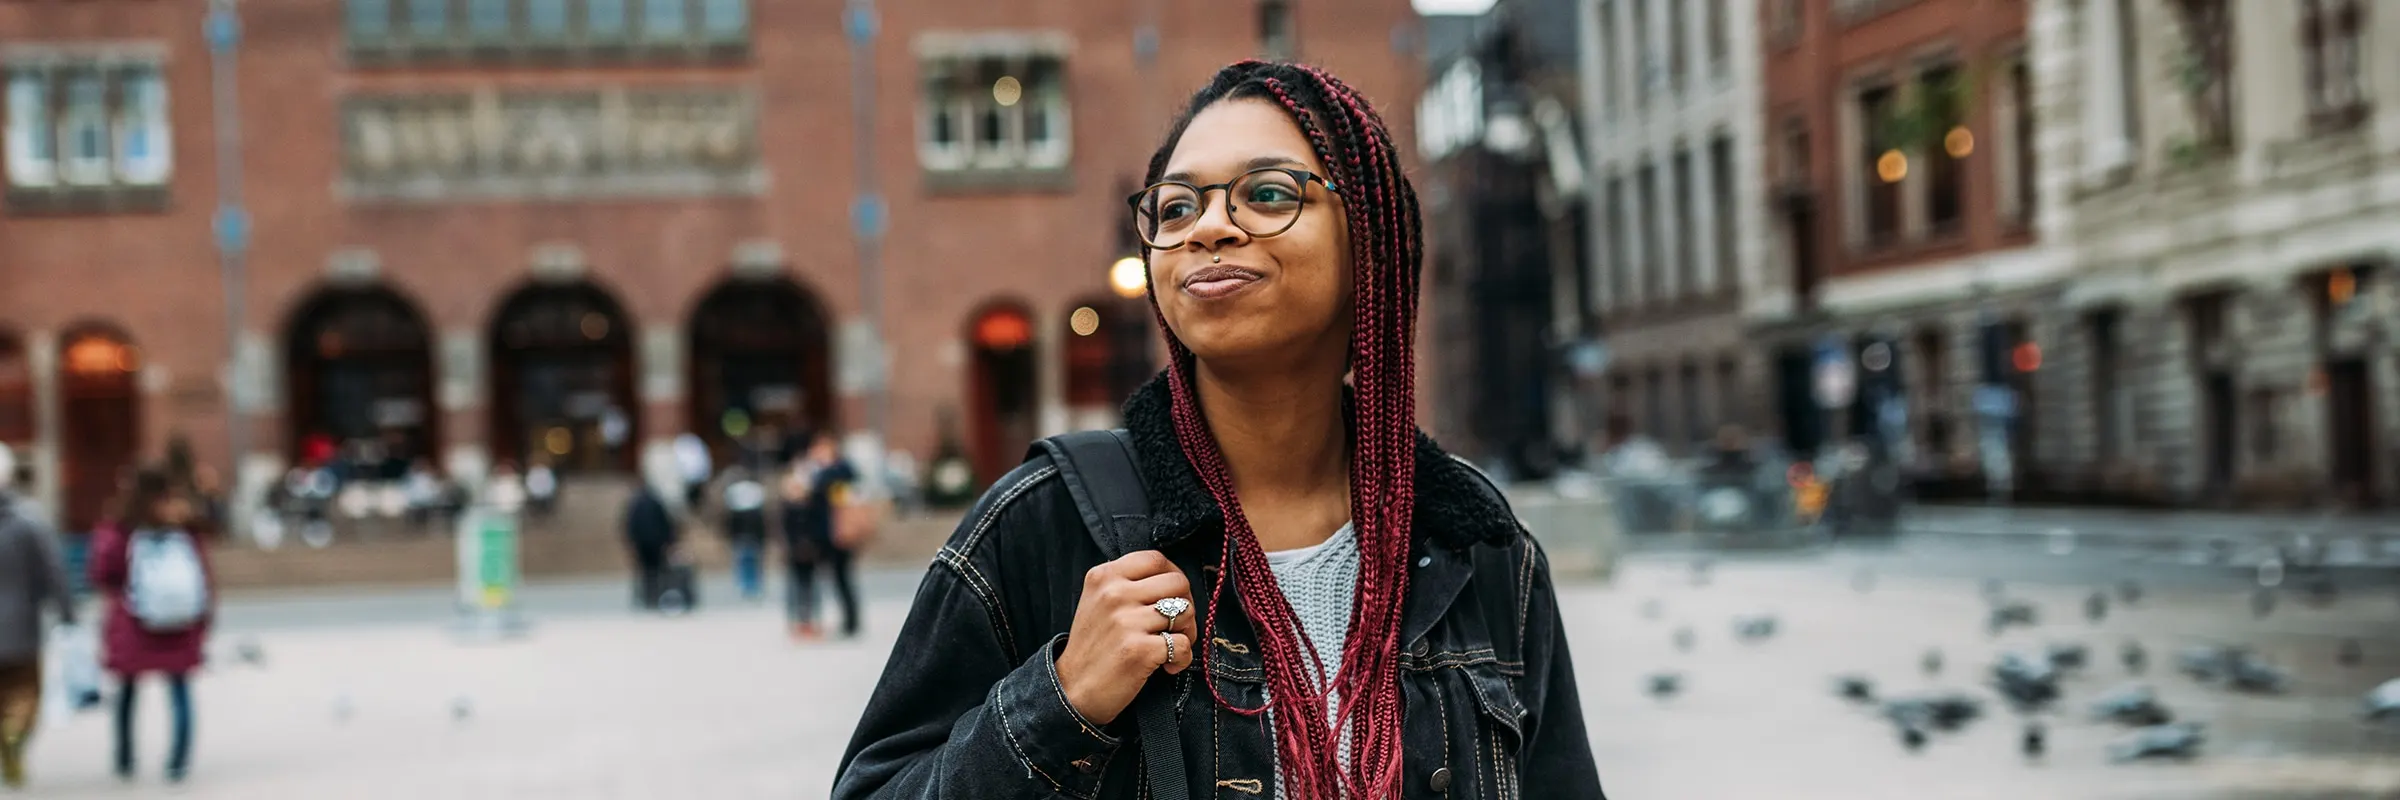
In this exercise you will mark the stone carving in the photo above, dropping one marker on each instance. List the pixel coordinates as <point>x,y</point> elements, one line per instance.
<point>548,135</point>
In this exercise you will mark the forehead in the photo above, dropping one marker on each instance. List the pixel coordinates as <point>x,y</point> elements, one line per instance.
<point>1229,137</point>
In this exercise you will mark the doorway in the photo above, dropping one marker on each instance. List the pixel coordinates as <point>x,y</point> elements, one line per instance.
<point>2350,417</point>
<point>562,380</point>
<point>760,370</point>
<point>361,373</point>
<point>1004,379</point>
<point>100,400</point>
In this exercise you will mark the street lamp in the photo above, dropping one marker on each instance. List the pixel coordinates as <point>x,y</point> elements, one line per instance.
<point>1130,277</point>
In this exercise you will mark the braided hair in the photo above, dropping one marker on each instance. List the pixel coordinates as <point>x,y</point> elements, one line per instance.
<point>1387,246</point>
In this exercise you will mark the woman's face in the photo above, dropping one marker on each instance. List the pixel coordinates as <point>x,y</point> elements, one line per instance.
<point>1231,296</point>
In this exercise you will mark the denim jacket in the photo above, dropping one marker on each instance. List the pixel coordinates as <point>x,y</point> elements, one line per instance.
<point>969,705</point>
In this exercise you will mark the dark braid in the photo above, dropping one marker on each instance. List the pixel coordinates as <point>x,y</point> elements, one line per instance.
<point>1387,246</point>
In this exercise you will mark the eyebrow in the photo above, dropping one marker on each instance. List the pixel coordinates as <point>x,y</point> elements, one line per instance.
<point>1254,163</point>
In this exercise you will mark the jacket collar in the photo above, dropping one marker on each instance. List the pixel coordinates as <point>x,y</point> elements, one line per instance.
<point>1456,507</point>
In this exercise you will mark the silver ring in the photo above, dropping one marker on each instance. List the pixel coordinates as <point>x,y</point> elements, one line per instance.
<point>1170,639</point>
<point>1172,608</point>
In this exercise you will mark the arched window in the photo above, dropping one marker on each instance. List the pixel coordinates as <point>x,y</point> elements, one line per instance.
<point>360,369</point>
<point>562,380</point>
<point>760,367</point>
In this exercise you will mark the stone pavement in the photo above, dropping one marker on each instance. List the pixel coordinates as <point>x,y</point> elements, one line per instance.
<point>600,704</point>
<point>2348,539</point>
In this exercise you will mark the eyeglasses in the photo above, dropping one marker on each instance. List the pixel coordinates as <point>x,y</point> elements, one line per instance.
<point>1262,202</point>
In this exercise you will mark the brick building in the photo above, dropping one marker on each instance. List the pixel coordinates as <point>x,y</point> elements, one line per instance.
<point>1903,179</point>
<point>491,230</point>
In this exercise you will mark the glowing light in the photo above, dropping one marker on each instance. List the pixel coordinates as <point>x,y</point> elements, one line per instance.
<point>1130,277</point>
<point>1959,142</point>
<point>2027,357</point>
<point>1007,91</point>
<point>1084,322</point>
<point>595,325</point>
<point>98,355</point>
<point>1003,330</point>
<point>736,423</point>
<point>1892,167</point>
<point>558,441</point>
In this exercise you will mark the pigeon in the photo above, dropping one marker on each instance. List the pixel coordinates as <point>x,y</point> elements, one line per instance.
<point>2095,607</point>
<point>1944,712</point>
<point>2068,655</point>
<point>2384,702</point>
<point>2129,592</point>
<point>2351,654</point>
<point>2134,705</point>
<point>1665,684</point>
<point>2249,674</point>
<point>2134,657</point>
<point>1912,737</point>
<point>2262,602</point>
<point>1754,629</point>
<point>1855,688</point>
<point>2013,612</point>
<point>2179,740</point>
<point>1684,638</point>
<point>461,709</point>
<point>2208,663</point>
<point>2029,682</point>
<point>2033,741</point>
<point>1931,663</point>
<point>248,651</point>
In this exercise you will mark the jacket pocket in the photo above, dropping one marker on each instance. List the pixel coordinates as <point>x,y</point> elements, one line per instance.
<point>1501,729</point>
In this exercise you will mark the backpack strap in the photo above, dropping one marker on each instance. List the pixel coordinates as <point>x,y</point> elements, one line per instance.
<point>1100,473</point>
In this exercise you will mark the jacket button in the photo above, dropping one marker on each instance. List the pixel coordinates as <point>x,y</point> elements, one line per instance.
<point>1441,780</point>
<point>1421,648</point>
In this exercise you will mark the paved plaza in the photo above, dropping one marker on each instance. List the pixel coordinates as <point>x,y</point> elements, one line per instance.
<point>365,695</point>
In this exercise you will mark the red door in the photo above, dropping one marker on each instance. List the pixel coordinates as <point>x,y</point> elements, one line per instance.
<point>101,407</point>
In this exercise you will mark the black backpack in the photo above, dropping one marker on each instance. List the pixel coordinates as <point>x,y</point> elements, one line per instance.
<point>1100,472</point>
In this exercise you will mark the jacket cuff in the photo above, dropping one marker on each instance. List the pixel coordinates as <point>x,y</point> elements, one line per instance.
<point>1053,739</point>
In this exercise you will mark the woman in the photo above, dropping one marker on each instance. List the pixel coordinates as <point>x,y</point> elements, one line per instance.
<point>153,573</point>
<point>1371,622</point>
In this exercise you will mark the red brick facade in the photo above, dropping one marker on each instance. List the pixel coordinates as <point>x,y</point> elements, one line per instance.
<point>154,276</point>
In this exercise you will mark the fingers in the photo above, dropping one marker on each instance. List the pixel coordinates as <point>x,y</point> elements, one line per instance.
<point>1183,653</point>
<point>1136,566</point>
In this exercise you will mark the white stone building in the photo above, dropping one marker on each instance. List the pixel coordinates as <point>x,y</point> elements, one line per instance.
<point>1671,106</point>
<point>2229,188</point>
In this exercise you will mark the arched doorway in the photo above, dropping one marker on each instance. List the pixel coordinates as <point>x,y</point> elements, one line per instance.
<point>759,366</point>
<point>562,380</point>
<point>359,366</point>
<point>1109,342</point>
<point>16,393</point>
<point>1003,410</point>
<point>101,409</point>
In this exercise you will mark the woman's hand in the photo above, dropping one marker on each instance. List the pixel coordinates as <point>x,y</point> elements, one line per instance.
<point>1116,642</point>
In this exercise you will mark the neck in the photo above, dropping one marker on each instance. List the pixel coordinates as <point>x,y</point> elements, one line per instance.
<point>1284,436</point>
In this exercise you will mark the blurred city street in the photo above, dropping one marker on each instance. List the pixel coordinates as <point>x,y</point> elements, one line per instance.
<point>364,694</point>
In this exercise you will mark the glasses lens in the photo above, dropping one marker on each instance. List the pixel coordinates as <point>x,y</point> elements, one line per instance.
<point>1266,202</point>
<point>1168,212</point>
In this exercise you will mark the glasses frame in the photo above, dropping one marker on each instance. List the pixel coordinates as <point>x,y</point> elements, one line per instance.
<point>1304,177</point>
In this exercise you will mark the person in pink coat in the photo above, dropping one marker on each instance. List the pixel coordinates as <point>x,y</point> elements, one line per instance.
<point>132,646</point>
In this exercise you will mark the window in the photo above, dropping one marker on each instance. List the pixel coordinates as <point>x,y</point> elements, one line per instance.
<point>1675,45</point>
<point>1719,39</point>
<point>1695,403</point>
<point>1620,250</point>
<point>1883,165</point>
<point>16,392</point>
<point>1645,51</point>
<point>2111,409</point>
<point>1720,177</point>
<point>2330,36</point>
<point>2207,73</point>
<point>1654,266</point>
<point>1795,152</point>
<point>1275,38</point>
<point>994,114</point>
<point>1687,250</point>
<point>1609,68</point>
<point>2020,86</point>
<point>432,30</point>
<point>1729,392</point>
<point>79,125</point>
<point>2129,68</point>
<point>1941,94</point>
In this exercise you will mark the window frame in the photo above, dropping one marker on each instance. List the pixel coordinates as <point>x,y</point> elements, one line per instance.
<point>142,94</point>
<point>957,88</point>
<point>710,30</point>
<point>87,95</point>
<point>32,145</point>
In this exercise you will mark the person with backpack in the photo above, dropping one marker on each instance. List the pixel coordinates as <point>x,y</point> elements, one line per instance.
<point>30,579</point>
<point>154,574</point>
<point>827,519</point>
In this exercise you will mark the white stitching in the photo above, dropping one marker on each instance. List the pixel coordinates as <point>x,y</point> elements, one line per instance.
<point>984,524</point>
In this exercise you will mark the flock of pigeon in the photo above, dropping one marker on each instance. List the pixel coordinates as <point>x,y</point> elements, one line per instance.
<point>2028,681</point>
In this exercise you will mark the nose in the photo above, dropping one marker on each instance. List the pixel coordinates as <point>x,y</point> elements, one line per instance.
<point>1216,229</point>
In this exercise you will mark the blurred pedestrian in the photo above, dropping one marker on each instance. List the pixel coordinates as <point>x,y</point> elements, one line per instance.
<point>151,569</point>
<point>504,489</point>
<point>650,533</point>
<point>31,577</point>
<point>746,530</point>
<point>1283,247</point>
<point>829,484</point>
<point>541,489</point>
<point>693,465</point>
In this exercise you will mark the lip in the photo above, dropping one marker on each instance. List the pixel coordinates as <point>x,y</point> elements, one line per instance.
<point>1220,280</point>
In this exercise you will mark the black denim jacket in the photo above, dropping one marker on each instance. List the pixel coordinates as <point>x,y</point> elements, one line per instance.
<point>970,707</point>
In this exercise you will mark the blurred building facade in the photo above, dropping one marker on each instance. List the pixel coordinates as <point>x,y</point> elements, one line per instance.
<point>1505,188</point>
<point>570,230</point>
<point>1903,174</point>
<point>2226,183</point>
<point>1671,94</point>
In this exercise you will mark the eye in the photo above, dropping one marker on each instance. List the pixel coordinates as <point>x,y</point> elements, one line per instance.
<point>1270,193</point>
<point>1175,210</point>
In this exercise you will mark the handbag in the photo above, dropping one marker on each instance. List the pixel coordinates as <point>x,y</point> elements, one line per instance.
<point>1102,475</point>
